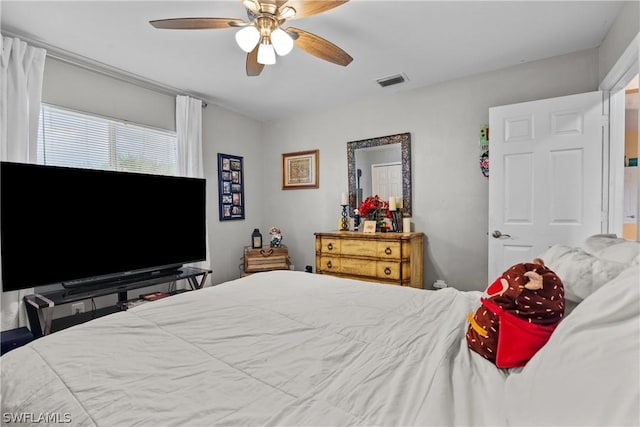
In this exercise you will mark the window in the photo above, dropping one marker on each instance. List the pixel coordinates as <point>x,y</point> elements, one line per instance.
<point>75,139</point>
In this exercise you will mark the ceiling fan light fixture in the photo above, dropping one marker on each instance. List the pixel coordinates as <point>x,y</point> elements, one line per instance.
<point>266,54</point>
<point>252,5</point>
<point>281,41</point>
<point>287,12</point>
<point>248,38</point>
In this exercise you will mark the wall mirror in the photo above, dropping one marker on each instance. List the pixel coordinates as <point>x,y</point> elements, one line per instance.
<point>380,166</point>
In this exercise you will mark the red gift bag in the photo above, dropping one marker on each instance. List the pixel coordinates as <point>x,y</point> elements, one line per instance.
<point>518,339</point>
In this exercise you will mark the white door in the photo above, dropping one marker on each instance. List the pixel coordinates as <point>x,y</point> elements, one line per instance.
<point>386,180</point>
<point>545,178</point>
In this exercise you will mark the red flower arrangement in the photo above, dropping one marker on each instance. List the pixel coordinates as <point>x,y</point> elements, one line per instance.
<point>374,208</point>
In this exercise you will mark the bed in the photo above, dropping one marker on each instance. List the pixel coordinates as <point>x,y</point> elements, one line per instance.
<point>290,348</point>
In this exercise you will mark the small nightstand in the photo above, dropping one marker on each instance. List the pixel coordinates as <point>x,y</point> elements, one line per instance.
<point>265,259</point>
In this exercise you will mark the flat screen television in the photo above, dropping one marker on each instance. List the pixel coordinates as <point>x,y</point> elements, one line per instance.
<point>84,227</point>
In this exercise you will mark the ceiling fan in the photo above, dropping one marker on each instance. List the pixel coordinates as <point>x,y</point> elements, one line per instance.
<point>263,36</point>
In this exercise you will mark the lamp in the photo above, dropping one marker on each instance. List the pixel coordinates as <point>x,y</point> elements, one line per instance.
<point>247,38</point>
<point>266,54</point>
<point>269,35</point>
<point>281,41</point>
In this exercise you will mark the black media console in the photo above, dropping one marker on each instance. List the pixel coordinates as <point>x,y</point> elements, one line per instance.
<point>38,304</point>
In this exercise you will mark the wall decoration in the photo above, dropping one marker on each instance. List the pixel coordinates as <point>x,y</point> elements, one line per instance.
<point>483,142</point>
<point>230,187</point>
<point>300,170</point>
<point>389,147</point>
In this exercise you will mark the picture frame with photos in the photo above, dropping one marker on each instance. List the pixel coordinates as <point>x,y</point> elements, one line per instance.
<point>231,204</point>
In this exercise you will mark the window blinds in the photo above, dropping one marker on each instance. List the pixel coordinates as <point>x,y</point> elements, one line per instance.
<point>75,139</point>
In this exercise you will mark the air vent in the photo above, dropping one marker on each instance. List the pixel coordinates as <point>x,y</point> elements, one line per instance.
<point>392,80</point>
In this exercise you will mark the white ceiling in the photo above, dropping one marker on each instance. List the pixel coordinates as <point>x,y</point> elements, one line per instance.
<point>428,41</point>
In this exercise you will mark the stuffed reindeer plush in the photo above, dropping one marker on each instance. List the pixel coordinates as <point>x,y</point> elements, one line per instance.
<point>521,309</point>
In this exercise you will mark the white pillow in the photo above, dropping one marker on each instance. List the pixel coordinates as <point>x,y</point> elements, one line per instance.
<point>581,273</point>
<point>612,248</point>
<point>587,373</point>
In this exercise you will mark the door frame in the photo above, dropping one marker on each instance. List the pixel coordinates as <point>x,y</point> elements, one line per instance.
<point>613,86</point>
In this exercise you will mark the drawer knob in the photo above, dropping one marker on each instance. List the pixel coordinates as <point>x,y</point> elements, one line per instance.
<point>329,265</point>
<point>387,271</point>
<point>330,246</point>
<point>387,251</point>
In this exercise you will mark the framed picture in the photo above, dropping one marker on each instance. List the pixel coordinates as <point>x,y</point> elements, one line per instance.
<point>230,187</point>
<point>300,170</point>
<point>369,227</point>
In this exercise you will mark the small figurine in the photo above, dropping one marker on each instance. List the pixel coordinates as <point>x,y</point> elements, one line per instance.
<point>276,237</point>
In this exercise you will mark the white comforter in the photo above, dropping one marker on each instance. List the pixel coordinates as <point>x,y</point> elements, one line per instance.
<point>277,348</point>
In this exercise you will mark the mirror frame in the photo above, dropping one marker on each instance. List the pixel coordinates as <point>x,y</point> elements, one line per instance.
<point>404,139</point>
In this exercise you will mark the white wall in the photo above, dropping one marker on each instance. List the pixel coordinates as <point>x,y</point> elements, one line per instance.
<point>229,133</point>
<point>625,27</point>
<point>449,191</point>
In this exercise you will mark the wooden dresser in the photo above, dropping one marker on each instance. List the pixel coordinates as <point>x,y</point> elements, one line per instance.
<point>394,258</point>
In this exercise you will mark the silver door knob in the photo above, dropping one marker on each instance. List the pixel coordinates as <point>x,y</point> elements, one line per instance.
<point>497,234</point>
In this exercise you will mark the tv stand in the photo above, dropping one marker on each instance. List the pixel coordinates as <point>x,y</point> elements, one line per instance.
<point>121,280</point>
<point>43,304</point>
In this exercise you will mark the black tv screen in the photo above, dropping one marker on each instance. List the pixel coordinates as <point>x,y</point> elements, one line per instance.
<point>75,226</point>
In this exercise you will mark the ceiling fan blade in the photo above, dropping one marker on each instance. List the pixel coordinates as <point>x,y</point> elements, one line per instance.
<point>313,7</point>
<point>197,23</point>
<point>254,68</point>
<point>319,47</point>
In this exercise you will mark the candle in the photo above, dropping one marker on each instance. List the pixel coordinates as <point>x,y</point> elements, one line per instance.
<point>406,225</point>
<point>392,203</point>
<point>345,199</point>
<point>399,202</point>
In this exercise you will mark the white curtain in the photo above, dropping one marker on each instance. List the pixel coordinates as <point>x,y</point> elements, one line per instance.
<point>189,136</point>
<point>21,74</point>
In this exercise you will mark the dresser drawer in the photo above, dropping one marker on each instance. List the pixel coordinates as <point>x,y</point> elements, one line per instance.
<point>388,250</point>
<point>358,267</point>
<point>358,247</point>
<point>388,270</point>
<point>330,246</point>
<point>329,264</point>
